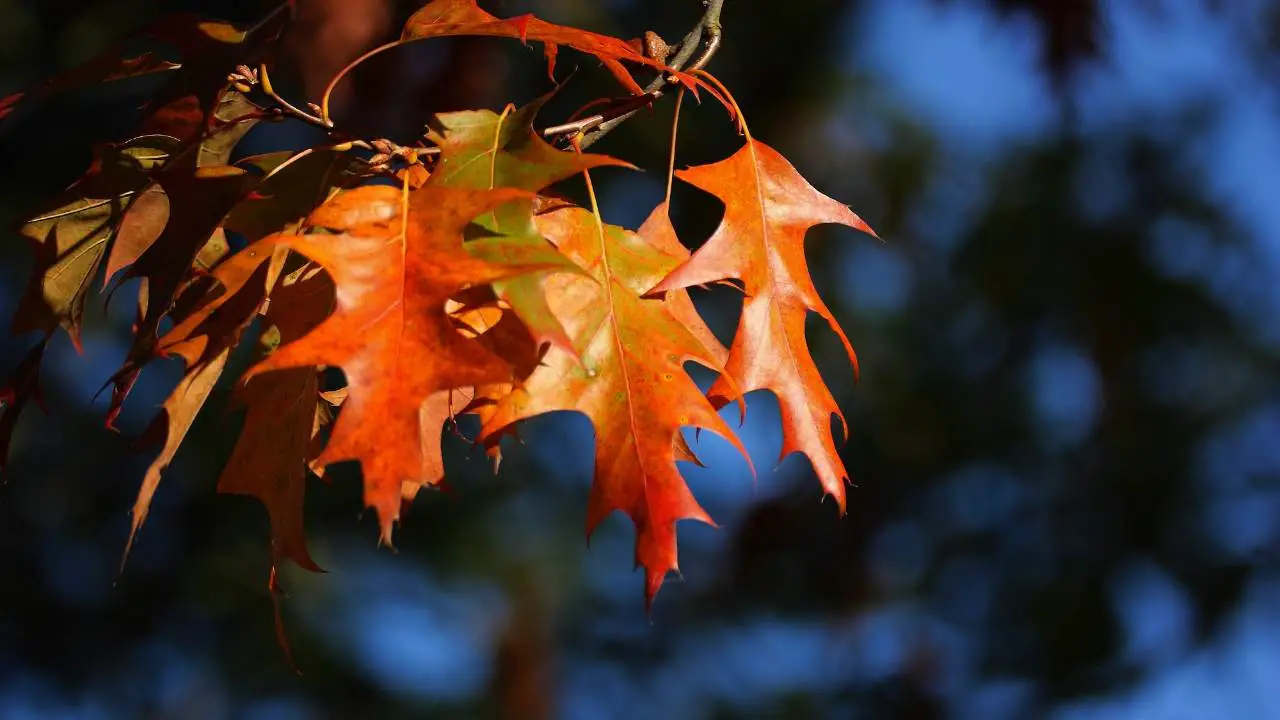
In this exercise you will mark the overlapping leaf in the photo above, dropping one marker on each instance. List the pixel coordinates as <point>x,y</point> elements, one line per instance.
<point>109,65</point>
<point>285,413</point>
<point>209,51</point>
<point>199,191</point>
<point>290,191</point>
<point>206,46</point>
<point>293,186</point>
<point>631,382</point>
<point>450,293</point>
<point>768,209</point>
<point>175,419</point>
<point>70,237</point>
<point>482,150</point>
<point>69,240</point>
<point>396,257</point>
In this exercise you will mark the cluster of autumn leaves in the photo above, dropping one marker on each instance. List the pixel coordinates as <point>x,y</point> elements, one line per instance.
<point>446,287</point>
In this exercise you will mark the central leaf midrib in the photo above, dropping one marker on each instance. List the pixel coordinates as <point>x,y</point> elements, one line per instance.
<point>607,269</point>
<point>768,257</point>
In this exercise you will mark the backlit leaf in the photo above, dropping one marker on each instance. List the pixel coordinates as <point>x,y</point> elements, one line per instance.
<point>768,209</point>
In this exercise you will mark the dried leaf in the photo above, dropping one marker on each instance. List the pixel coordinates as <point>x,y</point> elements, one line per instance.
<point>70,237</point>
<point>174,420</point>
<point>270,458</point>
<point>108,65</point>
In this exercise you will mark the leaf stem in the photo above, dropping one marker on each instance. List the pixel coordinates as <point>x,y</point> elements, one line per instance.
<point>671,160</point>
<point>287,106</point>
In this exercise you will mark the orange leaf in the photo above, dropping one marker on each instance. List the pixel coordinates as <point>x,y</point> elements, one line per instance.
<point>436,412</point>
<point>768,209</point>
<point>443,18</point>
<point>217,323</point>
<point>631,382</point>
<point>396,258</point>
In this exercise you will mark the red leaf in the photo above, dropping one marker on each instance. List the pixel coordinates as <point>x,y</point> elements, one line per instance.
<point>397,257</point>
<point>768,209</point>
<point>463,17</point>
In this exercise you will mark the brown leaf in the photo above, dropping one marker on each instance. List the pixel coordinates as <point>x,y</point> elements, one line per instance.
<point>69,238</point>
<point>180,410</point>
<point>270,459</point>
<point>143,222</point>
<point>290,191</point>
<point>217,324</point>
<point>198,202</point>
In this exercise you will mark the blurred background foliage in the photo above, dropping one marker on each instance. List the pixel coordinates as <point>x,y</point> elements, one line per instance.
<point>1064,439</point>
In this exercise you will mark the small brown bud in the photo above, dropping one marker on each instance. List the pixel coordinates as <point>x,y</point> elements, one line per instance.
<point>655,48</point>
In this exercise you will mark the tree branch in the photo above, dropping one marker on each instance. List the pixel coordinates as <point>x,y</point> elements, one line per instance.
<point>694,51</point>
<point>698,46</point>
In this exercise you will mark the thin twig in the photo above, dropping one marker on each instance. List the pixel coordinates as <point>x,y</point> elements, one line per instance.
<point>287,106</point>
<point>384,150</point>
<point>591,122</point>
<point>694,52</point>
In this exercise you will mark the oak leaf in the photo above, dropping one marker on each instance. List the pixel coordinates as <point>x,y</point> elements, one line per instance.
<point>760,241</point>
<point>175,419</point>
<point>199,201</point>
<point>442,18</point>
<point>192,36</point>
<point>200,189</point>
<point>292,186</point>
<point>285,413</point>
<point>69,239</point>
<point>396,257</point>
<point>631,382</point>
